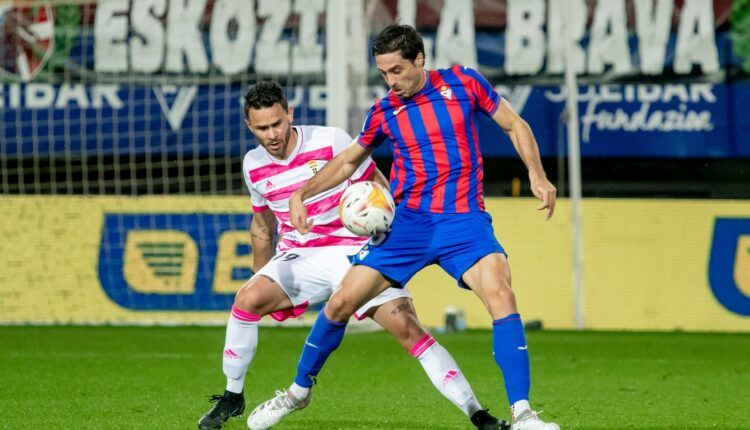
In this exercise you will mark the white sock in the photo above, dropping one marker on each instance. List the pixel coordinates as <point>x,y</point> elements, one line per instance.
<point>519,406</point>
<point>239,347</point>
<point>445,375</point>
<point>299,392</point>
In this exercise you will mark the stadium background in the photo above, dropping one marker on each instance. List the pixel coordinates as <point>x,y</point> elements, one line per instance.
<point>122,141</point>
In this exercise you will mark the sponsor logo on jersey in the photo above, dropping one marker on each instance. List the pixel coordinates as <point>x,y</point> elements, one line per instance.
<point>315,165</point>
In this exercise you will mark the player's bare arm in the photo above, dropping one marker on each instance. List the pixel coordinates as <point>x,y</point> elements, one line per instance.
<point>333,173</point>
<point>378,177</point>
<point>262,230</point>
<point>523,140</point>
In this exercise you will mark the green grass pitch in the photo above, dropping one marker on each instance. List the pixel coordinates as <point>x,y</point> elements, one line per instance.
<point>160,378</point>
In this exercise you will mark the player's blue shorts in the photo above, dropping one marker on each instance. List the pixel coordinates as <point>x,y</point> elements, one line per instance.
<point>454,241</point>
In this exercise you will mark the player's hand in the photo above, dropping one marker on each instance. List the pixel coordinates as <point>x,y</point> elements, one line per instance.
<point>546,192</point>
<point>298,213</point>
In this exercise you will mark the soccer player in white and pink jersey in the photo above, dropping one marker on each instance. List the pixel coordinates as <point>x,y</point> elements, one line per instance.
<point>306,267</point>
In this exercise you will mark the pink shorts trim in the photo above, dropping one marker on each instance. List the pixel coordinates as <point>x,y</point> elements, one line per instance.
<point>360,317</point>
<point>287,313</point>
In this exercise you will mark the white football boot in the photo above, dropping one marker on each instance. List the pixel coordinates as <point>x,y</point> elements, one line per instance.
<point>271,412</point>
<point>528,420</point>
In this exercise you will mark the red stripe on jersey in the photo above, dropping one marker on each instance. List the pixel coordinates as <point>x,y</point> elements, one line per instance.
<point>415,153</point>
<point>467,83</point>
<point>459,129</point>
<point>439,150</point>
<point>470,85</point>
<point>374,121</point>
<point>480,171</point>
<point>399,173</point>
<point>480,94</point>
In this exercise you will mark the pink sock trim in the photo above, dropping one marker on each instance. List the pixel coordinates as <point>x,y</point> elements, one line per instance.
<point>244,316</point>
<point>422,345</point>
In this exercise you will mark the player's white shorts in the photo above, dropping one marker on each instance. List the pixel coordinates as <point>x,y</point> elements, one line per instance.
<point>309,275</point>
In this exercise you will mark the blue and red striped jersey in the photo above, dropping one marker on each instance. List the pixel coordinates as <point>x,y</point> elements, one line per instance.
<point>437,164</point>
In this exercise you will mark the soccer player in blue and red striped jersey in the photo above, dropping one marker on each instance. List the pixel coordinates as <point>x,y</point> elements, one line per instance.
<point>430,118</point>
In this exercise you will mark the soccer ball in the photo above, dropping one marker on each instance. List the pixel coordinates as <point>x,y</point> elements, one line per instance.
<point>366,209</point>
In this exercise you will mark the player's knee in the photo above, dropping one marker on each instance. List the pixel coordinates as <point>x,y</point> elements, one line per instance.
<point>248,300</point>
<point>504,294</point>
<point>340,307</point>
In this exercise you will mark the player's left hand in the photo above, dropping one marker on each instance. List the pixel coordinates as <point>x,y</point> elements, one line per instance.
<point>298,214</point>
<point>546,192</point>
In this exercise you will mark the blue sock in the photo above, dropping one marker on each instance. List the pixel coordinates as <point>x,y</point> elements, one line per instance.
<point>324,338</point>
<point>512,355</point>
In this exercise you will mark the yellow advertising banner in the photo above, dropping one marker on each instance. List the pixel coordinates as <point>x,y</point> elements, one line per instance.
<point>648,264</point>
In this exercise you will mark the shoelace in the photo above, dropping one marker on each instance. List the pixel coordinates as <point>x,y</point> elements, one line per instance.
<point>215,398</point>
<point>283,400</point>
<point>530,415</point>
<point>216,411</point>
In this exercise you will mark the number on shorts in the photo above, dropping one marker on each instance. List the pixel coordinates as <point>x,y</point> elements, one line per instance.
<point>285,256</point>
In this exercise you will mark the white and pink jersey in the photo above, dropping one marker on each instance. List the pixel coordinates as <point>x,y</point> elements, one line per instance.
<point>271,181</point>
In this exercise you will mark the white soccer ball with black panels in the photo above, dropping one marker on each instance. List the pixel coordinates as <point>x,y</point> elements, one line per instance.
<point>366,209</point>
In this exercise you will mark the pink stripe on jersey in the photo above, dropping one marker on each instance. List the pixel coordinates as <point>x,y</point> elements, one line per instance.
<point>324,205</point>
<point>283,193</point>
<point>269,170</point>
<point>320,207</point>
<point>422,345</point>
<point>329,228</point>
<point>244,316</point>
<point>365,176</point>
<point>285,243</point>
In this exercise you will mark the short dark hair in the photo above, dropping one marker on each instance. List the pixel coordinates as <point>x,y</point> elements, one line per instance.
<point>265,94</point>
<point>399,38</point>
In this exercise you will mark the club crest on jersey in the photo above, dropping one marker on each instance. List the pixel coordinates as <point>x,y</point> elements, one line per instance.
<point>314,165</point>
<point>446,92</point>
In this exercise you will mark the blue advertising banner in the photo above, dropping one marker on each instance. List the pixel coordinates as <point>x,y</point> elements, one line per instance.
<point>635,120</point>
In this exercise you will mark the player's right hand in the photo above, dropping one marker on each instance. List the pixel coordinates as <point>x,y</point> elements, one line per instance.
<point>298,213</point>
<point>543,189</point>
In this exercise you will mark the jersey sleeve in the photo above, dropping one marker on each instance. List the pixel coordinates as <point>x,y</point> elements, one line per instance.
<point>340,141</point>
<point>372,134</point>
<point>488,100</point>
<point>259,203</point>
